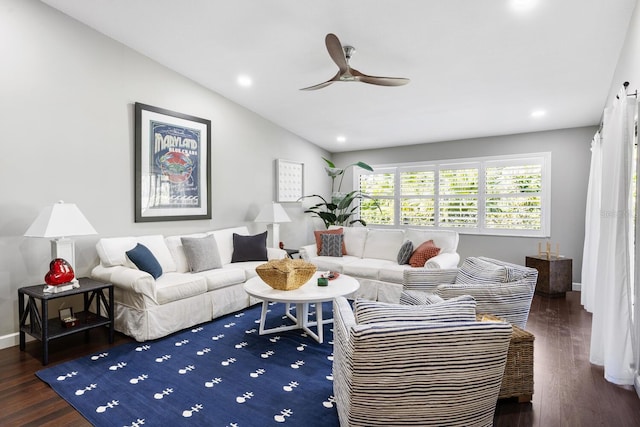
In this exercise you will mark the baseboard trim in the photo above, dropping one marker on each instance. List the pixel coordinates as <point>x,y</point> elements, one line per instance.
<point>576,287</point>
<point>11,340</point>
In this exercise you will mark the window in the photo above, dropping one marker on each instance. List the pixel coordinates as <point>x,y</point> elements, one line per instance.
<point>507,195</point>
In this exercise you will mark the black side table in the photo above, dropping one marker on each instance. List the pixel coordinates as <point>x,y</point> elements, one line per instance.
<point>41,327</point>
<point>292,252</point>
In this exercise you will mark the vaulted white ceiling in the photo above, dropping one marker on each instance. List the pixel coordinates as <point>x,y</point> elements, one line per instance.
<point>477,67</point>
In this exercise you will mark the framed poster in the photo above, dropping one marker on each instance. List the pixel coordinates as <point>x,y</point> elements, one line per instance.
<point>173,166</point>
<point>289,180</point>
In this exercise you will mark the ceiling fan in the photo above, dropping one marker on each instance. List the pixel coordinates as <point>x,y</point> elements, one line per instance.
<point>341,56</point>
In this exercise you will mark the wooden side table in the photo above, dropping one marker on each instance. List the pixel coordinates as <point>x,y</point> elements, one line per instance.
<point>36,322</point>
<point>554,275</point>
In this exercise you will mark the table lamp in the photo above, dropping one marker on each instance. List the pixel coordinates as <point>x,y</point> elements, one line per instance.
<point>58,222</point>
<point>274,214</point>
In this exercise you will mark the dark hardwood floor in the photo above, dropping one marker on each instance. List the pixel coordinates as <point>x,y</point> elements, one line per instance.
<point>569,391</point>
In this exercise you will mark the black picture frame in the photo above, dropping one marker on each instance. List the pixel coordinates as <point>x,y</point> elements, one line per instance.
<point>172,165</point>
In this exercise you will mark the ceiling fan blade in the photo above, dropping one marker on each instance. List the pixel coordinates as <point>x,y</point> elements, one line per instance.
<point>325,84</point>
<point>336,52</point>
<point>377,80</point>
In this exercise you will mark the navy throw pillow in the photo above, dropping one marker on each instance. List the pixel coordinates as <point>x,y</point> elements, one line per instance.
<point>142,257</point>
<point>249,248</point>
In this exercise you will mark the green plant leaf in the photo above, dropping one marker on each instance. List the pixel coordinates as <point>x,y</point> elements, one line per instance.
<point>330,163</point>
<point>365,166</point>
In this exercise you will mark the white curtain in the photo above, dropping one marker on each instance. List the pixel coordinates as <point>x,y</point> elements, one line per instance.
<point>610,277</point>
<point>592,225</point>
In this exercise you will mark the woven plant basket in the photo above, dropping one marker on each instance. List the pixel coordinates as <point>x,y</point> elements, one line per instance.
<point>286,274</point>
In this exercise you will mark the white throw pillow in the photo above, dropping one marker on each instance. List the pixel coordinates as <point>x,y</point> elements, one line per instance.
<point>159,249</point>
<point>446,240</point>
<point>111,250</point>
<point>383,244</point>
<point>354,239</point>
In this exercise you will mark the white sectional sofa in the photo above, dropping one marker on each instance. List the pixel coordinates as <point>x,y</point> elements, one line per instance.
<point>372,258</point>
<point>148,308</point>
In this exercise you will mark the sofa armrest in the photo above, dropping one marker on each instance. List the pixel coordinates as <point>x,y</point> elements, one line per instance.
<point>427,279</point>
<point>444,260</point>
<point>276,253</point>
<point>127,279</point>
<point>308,251</point>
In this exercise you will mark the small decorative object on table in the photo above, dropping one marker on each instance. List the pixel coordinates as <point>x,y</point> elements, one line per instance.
<point>67,319</point>
<point>60,277</point>
<point>286,274</point>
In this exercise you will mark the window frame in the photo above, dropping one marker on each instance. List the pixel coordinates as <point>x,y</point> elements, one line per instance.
<point>481,164</point>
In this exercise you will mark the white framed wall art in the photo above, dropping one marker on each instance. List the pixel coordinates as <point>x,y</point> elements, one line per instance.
<point>289,180</point>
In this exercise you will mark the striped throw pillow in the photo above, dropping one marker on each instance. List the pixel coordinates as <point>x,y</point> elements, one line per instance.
<point>477,271</point>
<point>410,297</point>
<point>405,252</point>
<point>331,245</point>
<point>459,309</point>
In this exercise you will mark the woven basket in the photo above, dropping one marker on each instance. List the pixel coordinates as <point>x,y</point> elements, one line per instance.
<point>517,380</point>
<point>286,274</point>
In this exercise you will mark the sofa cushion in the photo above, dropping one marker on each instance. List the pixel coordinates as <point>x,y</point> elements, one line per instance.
<point>405,252</point>
<point>331,245</point>
<point>383,244</point>
<point>478,271</point>
<point>219,278</point>
<point>318,235</point>
<point>423,253</point>
<point>459,309</point>
<point>354,239</point>
<point>367,268</point>
<point>446,240</point>
<point>201,253</point>
<point>177,286</point>
<point>249,248</point>
<point>142,257</point>
<point>328,263</point>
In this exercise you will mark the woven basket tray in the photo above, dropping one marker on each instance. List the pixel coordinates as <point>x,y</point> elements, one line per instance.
<point>286,274</point>
<point>517,380</point>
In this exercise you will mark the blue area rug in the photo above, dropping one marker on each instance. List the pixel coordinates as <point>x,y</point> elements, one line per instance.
<point>222,373</point>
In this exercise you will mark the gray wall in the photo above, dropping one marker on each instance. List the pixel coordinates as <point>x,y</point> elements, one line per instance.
<point>570,159</point>
<point>66,112</point>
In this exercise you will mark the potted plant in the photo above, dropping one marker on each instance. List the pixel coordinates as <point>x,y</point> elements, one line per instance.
<point>338,210</point>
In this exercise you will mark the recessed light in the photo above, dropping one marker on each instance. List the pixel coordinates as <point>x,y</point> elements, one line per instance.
<point>538,113</point>
<point>244,80</point>
<point>341,138</point>
<point>522,5</point>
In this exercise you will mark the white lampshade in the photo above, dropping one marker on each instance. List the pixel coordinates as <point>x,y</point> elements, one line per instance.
<point>273,213</point>
<point>57,222</point>
<point>60,220</point>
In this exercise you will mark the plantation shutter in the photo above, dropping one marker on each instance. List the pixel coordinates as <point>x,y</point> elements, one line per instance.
<point>417,197</point>
<point>458,196</point>
<point>513,198</point>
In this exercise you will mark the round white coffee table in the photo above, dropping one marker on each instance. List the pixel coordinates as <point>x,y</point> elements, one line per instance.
<point>308,293</point>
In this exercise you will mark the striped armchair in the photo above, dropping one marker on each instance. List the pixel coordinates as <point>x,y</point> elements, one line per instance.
<point>500,288</point>
<point>410,373</point>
